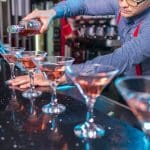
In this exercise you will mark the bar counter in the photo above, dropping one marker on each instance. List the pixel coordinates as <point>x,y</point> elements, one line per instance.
<point>23,126</point>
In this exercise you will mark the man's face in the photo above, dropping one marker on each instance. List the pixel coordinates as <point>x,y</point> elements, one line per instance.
<point>128,10</point>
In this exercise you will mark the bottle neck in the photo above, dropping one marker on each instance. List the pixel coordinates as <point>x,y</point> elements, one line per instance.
<point>15,28</point>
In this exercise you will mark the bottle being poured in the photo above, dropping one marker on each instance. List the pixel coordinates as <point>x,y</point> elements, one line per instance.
<point>25,28</point>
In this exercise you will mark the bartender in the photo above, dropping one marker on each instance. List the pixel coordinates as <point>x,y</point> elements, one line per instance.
<point>133,20</point>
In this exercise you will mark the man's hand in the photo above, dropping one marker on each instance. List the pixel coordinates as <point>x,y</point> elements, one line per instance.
<point>24,81</point>
<point>44,16</point>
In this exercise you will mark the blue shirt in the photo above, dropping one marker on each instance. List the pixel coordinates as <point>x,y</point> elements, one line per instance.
<point>133,50</point>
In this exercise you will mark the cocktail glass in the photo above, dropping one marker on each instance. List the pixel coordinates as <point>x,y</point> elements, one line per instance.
<point>90,81</point>
<point>53,68</point>
<point>29,65</point>
<point>136,92</point>
<point>11,56</point>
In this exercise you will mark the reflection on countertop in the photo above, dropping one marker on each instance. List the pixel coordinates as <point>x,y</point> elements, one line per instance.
<point>24,126</point>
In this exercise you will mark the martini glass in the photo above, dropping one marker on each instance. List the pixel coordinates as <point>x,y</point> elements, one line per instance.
<point>53,68</point>
<point>29,65</point>
<point>90,81</point>
<point>11,56</point>
<point>136,92</point>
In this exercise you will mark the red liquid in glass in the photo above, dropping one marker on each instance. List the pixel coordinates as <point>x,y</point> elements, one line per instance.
<point>92,86</point>
<point>10,58</point>
<point>141,109</point>
<point>27,63</point>
<point>29,32</point>
<point>53,71</point>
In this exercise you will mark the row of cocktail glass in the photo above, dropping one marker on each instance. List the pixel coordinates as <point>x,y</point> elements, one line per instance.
<point>90,81</point>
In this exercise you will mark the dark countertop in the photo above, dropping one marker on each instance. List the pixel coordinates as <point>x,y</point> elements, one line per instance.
<point>21,130</point>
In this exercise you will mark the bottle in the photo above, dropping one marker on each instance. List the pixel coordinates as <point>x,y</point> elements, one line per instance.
<point>25,28</point>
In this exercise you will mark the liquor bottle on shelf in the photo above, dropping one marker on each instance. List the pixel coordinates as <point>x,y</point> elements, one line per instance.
<point>25,28</point>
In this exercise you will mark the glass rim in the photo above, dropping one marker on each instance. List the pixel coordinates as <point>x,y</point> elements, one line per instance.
<point>120,80</point>
<point>113,71</point>
<point>33,51</point>
<point>15,47</point>
<point>69,58</point>
<point>38,63</point>
<point>57,56</point>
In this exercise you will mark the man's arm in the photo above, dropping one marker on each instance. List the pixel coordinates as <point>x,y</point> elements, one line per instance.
<point>131,53</point>
<point>71,8</point>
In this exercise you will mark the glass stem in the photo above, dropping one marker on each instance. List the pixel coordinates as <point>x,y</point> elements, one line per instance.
<point>31,76</point>
<point>13,95</point>
<point>89,115</point>
<point>12,70</point>
<point>53,97</point>
<point>53,124</point>
<point>88,144</point>
<point>32,107</point>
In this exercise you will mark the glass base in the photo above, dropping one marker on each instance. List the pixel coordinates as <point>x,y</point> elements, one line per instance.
<point>146,127</point>
<point>53,109</point>
<point>89,130</point>
<point>29,94</point>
